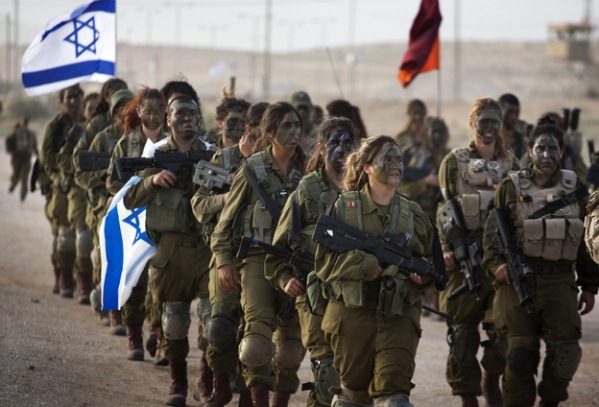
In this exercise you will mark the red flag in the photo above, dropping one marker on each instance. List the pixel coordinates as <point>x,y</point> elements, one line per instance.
<point>423,51</point>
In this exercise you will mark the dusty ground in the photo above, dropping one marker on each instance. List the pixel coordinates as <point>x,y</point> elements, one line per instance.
<point>53,352</point>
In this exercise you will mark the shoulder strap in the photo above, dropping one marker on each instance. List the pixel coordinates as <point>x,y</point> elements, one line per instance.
<point>350,209</point>
<point>406,217</point>
<point>564,201</point>
<point>268,202</point>
<point>295,233</point>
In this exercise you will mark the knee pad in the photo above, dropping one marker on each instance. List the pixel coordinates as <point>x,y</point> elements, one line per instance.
<point>523,362</point>
<point>176,320</point>
<point>95,299</point>
<point>84,242</point>
<point>464,341</point>
<point>394,400</point>
<point>255,350</point>
<point>203,311</point>
<point>565,358</point>
<point>95,257</point>
<point>65,242</point>
<point>325,377</point>
<point>289,353</point>
<point>221,333</point>
<point>351,398</point>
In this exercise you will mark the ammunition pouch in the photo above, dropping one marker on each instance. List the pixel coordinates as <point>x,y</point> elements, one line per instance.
<point>314,293</point>
<point>475,208</point>
<point>392,295</point>
<point>552,239</point>
<point>170,211</point>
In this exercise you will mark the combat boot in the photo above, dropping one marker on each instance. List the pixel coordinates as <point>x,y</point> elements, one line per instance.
<point>259,394</point>
<point>66,283</point>
<point>135,338</point>
<point>159,359</point>
<point>222,393</point>
<point>116,323</point>
<point>280,398</point>
<point>491,391</point>
<point>245,398</point>
<point>544,403</point>
<point>84,286</point>
<point>151,342</point>
<point>469,400</point>
<point>205,382</point>
<point>178,392</point>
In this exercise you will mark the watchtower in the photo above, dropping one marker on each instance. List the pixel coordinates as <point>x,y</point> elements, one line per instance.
<point>569,42</point>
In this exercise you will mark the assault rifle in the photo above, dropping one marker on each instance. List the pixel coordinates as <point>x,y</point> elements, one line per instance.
<point>93,160</point>
<point>300,259</point>
<point>518,269</point>
<point>213,176</point>
<point>416,173</point>
<point>571,119</point>
<point>167,160</point>
<point>466,252</point>
<point>389,249</point>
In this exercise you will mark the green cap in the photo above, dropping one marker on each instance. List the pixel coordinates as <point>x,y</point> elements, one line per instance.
<point>301,98</point>
<point>119,97</point>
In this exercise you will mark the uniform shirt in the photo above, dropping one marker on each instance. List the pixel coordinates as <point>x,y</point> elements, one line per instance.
<point>448,176</point>
<point>241,196</point>
<point>56,133</point>
<point>505,199</point>
<point>359,265</point>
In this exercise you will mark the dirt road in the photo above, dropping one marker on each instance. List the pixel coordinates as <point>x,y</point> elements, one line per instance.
<point>53,352</point>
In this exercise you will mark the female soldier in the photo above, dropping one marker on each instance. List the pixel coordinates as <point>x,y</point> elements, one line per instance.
<point>374,345</point>
<point>257,194</point>
<point>550,241</point>
<point>415,130</point>
<point>316,194</point>
<point>143,120</point>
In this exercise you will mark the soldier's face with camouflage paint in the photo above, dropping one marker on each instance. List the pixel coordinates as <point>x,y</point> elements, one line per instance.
<point>511,114</point>
<point>337,148</point>
<point>289,131</point>
<point>387,167</point>
<point>545,154</point>
<point>487,125</point>
<point>184,119</point>
<point>72,102</point>
<point>151,113</point>
<point>234,126</point>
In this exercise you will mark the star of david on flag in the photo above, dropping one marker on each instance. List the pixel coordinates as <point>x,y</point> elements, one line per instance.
<point>76,47</point>
<point>125,249</point>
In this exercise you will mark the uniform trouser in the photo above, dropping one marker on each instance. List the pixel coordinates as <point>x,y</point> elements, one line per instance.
<point>21,166</point>
<point>153,306</point>
<point>373,353</point>
<point>555,317</point>
<point>76,215</point>
<point>221,361</point>
<point>180,262</point>
<point>134,310</point>
<point>264,309</point>
<point>57,209</point>
<point>315,342</point>
<point>463,372</point>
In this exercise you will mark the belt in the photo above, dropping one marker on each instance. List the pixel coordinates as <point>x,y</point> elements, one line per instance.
<point>551,269</point>
<point>186,239</point>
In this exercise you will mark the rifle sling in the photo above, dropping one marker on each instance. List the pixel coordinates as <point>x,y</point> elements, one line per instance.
<point>438,260</point>
<point>566,200</point>
<point>295,232</point>
<point>268,202</point>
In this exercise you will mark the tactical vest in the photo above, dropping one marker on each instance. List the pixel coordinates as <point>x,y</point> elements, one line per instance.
<point>475,185</point>
<point>135,143</point>
<point>591,227</point>
<point>258,220</point>
<point>552,237</point>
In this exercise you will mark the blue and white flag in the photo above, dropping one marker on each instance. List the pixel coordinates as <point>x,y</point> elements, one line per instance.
<point>76,47</point>
<point>125,249</point>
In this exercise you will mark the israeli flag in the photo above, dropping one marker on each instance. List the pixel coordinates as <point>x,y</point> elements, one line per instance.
<point>125,249</point>
<point>76,47</point>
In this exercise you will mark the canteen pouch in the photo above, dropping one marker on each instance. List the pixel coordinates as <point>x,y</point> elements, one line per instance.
<point>316,299</point>
<point>555,234</point>
<point>471,211</point>
<point>533,235</point>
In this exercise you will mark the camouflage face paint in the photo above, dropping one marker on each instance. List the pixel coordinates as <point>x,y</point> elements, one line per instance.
<point>338,147</point>
<point>234,126</point>
<point>151,113</point>
<point>487,125</point>
<point>289,131</point>
<point>184,118</point>
<point>546,154</point>
<point>387,167</point>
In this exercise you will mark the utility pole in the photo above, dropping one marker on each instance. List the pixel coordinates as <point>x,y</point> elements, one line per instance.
<point>267,48</point>
<point>8,48</point>
<point>16,59</point>
<point>351,58</point>
<point>457,53</point>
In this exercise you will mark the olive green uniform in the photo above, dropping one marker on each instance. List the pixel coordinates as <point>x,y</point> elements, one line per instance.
<point>181,259</point>
<point>221,353</point>
<point>263,306</point>
<point>25,145</point>
<point>551,246</point>
<point>374,345</point>
<point>315,196</point>
<point>56,159</point>
<point>132,145</point>
<point>591,227</point>
<point>456,174</point>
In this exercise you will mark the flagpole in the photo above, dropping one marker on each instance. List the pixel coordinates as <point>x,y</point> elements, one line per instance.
<point>116,41</point>
<point>439,90</point>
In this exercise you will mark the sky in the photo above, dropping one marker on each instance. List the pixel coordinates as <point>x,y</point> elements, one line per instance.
<point>305,24</point>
